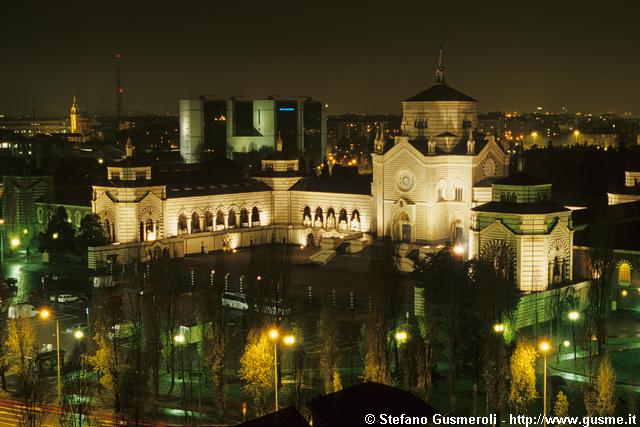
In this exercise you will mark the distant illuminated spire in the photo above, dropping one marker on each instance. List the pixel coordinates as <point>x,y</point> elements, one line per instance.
<point>73,117</point>
<point>440,69</point>
<point>279,143</point>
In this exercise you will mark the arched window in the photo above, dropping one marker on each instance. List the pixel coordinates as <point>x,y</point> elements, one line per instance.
<point>342,219</point>
<point>355,220</point>
<point>219,220</point>
<point>107,230</point>
<point>624,274</point>
<point>195,222</point>
<point>150,232</point>
<point>318,218</point>
<point>331,218</point>
<point>457,191</point>
<point>182,224</point>
<point>208,221</point>
<point>306,216</point>
<point>442,190</point>
<point>244,218</point>
<point>232,218</point>
<point>255,215</point>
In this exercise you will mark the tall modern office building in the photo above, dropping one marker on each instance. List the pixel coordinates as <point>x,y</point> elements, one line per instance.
<point>227,127</point>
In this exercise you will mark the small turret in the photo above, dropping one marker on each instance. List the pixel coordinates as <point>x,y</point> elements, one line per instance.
<point>128,149</point>
<point>279,143</point>
<point>471,143</point>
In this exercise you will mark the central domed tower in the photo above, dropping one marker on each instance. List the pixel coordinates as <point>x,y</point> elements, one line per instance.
<point>440,114</point>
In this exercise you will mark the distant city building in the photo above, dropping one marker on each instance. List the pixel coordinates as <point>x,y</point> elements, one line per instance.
<point>232,126</point>
<point>356,126</point>
<point>79,126</point>
<point>34,126</point>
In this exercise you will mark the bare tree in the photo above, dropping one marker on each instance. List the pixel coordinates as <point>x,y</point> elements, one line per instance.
<point>382,274</point>
<point>329,351</point>
<point>5,302</point>
<point>447,294</point>
<point>76,406</point>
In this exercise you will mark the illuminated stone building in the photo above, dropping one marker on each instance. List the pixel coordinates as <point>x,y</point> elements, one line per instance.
<point>537,231</point>
<point>426,182</point>
<point>148,213</point>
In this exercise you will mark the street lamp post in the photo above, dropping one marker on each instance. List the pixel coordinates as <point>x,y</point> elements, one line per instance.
<point>574,316</point>
<point>45,314</point>
<point>545,346</point>
<point>576,133</point>
<point>289,340</point>
<point>2,242</point>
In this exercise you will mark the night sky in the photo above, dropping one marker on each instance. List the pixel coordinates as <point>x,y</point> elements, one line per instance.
<point>356,56</point>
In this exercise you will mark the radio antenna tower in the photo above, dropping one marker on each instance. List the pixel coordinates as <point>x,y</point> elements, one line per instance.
<point>119,92</point>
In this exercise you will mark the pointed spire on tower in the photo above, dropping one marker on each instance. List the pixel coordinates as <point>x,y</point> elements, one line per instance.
<point>279,143</point>
<point>128,148</point>
<point>440,69</point>
<point>378,143</point>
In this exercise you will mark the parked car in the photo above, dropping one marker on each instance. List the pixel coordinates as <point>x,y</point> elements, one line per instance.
<point>64,298</point>
<point>22,310</point>
<point>234,300</point>
<point>77,327</point>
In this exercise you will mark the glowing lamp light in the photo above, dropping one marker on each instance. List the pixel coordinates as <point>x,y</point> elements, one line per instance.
<point>289,340</point>
<point>25,231</point>
<point>624,293</point>
<point>274,334</point>
<point>498,328</point>
<point>576,132</point>
<point>15,242</point>
<point>78,334</point>
<point>401,336</point>
<point>574,315</point>
<point>44,313</point>
<point>458,249</point>
<point>55,236</point>
<point>259,278</point>
<point>100,161</point>
<point>566,343</point>
<point>179,339</point>
<point>544,346</point>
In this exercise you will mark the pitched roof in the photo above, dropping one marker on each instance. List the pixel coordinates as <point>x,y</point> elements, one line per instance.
<point>349,406</point>
<point>520,208</point>
<point>342,180</point>
<point>440,92</point>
